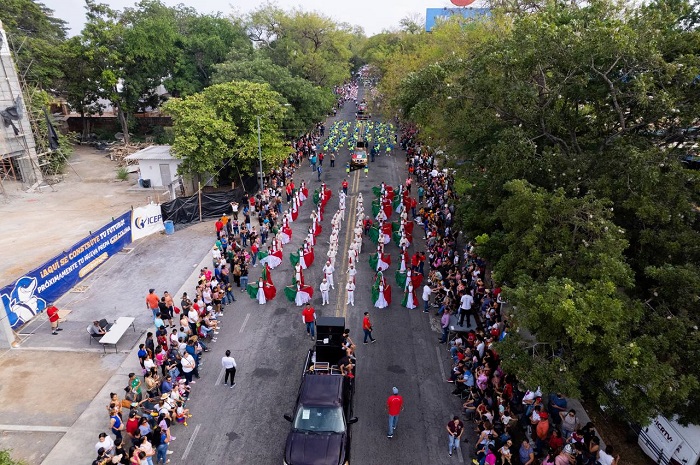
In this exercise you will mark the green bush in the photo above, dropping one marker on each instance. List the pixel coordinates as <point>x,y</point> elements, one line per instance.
<point>122,175</point>
<point>6,459</point>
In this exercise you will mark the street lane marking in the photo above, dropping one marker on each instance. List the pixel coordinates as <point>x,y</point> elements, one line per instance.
<point>191,441</point>
<point>342,303</point>
<point>35,429</point>
<point>440,363</point>
<point>245,322</point>
<point>220,377</point>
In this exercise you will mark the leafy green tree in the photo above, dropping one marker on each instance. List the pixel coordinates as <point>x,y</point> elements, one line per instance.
<point>35,35</point>
<point>218,127</point>
<point>81,86</point>
<point>309,103</point>
<point>204,41</point>
<point>308,44</point>
<point>568,124</point>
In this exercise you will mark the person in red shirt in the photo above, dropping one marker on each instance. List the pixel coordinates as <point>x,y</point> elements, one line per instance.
<point>52,313</point>
<point>219,225</point>
<point>308,316</point>
<point>345,186</point>
<point>394,406</point>
<point>367,328</point>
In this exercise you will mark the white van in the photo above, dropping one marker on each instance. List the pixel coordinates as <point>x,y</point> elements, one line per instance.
<point>669,443</point>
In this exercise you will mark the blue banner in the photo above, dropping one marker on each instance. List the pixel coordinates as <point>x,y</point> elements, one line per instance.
<point>35,291</point>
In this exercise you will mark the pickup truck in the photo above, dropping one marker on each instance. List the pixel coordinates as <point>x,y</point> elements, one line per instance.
<point>323,413</point>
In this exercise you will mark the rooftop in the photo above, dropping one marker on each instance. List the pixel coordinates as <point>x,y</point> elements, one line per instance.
<point>154,152</point>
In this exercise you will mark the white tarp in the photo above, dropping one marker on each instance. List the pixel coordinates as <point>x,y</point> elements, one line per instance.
<point>146,221</point>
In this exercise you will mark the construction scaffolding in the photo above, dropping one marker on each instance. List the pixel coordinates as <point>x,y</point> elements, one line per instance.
<point>18,156</point>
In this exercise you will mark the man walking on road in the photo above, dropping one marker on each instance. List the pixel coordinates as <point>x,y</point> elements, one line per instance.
<point>455,428</point>
<point>229,364</point>
<point>308,315</point>
<point>394,406</point>
<point>152,301</point>
<point>367,328</point>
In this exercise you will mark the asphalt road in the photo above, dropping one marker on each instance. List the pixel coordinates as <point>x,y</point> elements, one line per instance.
<point>244,425</point>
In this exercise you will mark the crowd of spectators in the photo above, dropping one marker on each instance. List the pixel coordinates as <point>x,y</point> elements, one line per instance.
<point>514,425</point>
<point>171,357</point>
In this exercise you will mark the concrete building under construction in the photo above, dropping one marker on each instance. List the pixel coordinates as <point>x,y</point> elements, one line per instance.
<point>18,156</point>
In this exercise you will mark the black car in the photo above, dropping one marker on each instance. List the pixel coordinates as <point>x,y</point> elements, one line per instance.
<point>320,432</point>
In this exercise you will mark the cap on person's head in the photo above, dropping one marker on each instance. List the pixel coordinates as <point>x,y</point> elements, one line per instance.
<point>132,414</point>
<point>151,290</point>
<point>395,390</point>
<point>164,396</point>
<point>102,435</point>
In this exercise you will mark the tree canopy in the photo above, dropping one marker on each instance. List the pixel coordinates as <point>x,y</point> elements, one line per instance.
<point>309,103</point>
<point>568,124</point>
<point>218,127</point>
<point>35,36</point>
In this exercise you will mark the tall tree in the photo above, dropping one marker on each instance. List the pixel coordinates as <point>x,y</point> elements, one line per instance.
<point>218,127</point>
<point>309,103</point>
<point>309,44</point>
<point>204,41</point>
<point>35,36</point>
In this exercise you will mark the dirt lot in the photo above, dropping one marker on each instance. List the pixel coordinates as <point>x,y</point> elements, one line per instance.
<point>38,225</point>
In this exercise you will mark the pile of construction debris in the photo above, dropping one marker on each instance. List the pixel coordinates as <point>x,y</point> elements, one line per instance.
<point>118,152</point>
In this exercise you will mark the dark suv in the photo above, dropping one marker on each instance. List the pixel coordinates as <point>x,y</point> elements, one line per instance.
<point>320,432</point>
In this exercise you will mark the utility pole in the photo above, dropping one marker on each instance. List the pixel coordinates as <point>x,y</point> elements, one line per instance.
<point>260,155</point>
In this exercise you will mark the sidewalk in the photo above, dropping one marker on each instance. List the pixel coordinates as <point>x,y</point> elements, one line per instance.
<point>82,435</point>
<point>55,388</point>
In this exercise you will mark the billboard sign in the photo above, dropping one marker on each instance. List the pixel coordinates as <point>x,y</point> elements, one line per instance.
<point>146,221</point>
<point>434,15</point>
<point>32,293</point>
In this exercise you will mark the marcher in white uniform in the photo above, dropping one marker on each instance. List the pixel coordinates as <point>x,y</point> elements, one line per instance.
<point>328,270</point>
<point>324,287</point>
<point>351,273</point>
<point>350,286</point>
<point>261,292</point>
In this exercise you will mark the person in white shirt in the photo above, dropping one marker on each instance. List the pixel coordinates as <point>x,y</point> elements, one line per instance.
<point>426,297</point>
<point>350,287</point>
<point>351,272</point>
<point>328,270</point>
<point>229,364</point>
<point>465,308</point>
<point>324,287</point>
<point>107,442</point>
<point>606,457</point>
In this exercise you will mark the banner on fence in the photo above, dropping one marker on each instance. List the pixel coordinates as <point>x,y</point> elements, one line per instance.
<point>32,293</point>
<point>146,221</point>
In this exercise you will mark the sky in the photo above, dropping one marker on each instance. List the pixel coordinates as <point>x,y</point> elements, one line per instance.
<point>373,15</point>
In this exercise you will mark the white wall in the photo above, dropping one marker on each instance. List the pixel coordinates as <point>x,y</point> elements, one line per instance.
<point>150,169</point>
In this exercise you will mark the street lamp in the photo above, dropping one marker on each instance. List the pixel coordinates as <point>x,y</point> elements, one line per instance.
<point>262,186</point>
